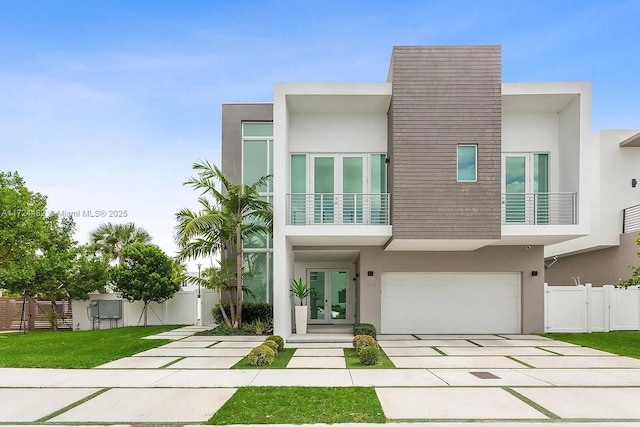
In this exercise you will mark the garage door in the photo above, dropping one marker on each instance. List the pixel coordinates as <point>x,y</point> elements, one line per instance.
<point>450,303</point>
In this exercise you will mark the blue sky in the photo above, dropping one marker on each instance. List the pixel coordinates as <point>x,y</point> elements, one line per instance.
<point>105,105</point>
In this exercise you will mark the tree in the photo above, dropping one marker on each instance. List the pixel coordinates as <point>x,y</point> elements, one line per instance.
<point>634,280</point>
<point>22,222</point>
<point>234,214</point>
<point>111,239</point>
<point>59,269</point>
<point>146,274</point>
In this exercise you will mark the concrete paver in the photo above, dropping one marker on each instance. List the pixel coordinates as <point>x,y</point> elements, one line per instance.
<point>317,362</point>
<point>426,343</point>
<point>494,351</point>
<point>238,344</point>
<point>505,377</point>
<point>149,405</point>
<point>395,337</point>
<point>522,343</point>
<point>319,352</point>
<point>395,378</point>
<point>27,405</point>
<point>584,377</point>
<point>459,337</point>
<point>318,345</point>
<point>207,378</point>
<point>206,363</point>
<point>577,351</point>
<point>525,337</point>
<point>570,362</point>
<point>195,352</point>
<point>411,351</point>
<point>138,363</point>
<point>189,344</point>
<point>584,403</point>
<point>165,337</point>
<point>480,362</point>
<point>453,403</point>
<point>303,377</point>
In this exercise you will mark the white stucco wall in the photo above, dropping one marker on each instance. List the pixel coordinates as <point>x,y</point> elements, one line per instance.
<point>610,176</point>
<point>336,133</point>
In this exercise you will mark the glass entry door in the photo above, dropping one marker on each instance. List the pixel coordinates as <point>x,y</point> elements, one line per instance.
<point>526,188</point>
<point>327,300</point>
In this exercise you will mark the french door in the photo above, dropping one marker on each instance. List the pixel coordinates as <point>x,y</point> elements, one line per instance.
<point>525,186</point>
<point>327,300</point>
<point>337,183</point>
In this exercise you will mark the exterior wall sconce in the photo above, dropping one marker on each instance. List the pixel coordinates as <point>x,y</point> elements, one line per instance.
<point>534,273</point>
<point>370,273</point>
<point>634,182</point>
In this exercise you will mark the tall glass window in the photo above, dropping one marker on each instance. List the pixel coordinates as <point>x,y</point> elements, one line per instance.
<point>467,163</point>
<point>257,161</point>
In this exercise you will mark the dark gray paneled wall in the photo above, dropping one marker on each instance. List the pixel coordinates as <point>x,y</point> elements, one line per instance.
<point>232,117</point>
<point>442,97</point>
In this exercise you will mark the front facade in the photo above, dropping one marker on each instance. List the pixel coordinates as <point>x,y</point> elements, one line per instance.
<point>422,204</point>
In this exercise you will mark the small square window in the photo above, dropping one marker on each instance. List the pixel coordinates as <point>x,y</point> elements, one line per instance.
<point>467,163</point>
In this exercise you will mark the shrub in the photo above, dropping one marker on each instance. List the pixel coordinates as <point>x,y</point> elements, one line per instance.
<point>278,340</point>
<point>251,311</point>
<point>369,356</point>
<point>364,329</point>
<point>257,327</point>
<point>362,341</point>
<point>262,355</point>
<point>272,345</point>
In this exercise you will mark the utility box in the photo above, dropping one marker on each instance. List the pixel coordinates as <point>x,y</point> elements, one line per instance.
<point>105,309</point>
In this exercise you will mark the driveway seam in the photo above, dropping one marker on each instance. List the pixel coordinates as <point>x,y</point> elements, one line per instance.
<point>531,403</point>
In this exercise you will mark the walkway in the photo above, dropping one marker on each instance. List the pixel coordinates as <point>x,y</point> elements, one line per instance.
<point>441,378</point>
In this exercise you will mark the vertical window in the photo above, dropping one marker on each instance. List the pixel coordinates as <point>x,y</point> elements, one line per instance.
<point>298,209</point>
<point>257,161</point>
<point>467,163</point>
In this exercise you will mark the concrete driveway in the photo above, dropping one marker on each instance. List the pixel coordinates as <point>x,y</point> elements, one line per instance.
<point>440,379</point>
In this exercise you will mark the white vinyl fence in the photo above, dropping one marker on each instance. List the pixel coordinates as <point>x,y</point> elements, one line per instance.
<point>587,309</point>
<point>182,309</point>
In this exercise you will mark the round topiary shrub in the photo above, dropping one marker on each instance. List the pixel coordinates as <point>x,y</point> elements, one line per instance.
<point>271,344</point>
<point>369,356</point>
<point>278,340</point>
<point>362,341</point>
<point>262,355</point>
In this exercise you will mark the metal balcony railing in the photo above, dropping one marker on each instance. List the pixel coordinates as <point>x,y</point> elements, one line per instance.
<point>540,208</point>
<point>336,209</point>
<point>631,219</point>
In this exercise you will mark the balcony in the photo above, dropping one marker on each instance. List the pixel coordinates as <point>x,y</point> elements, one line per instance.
<point>338,209</point>
<point>539,208</point>
<point>631,219</point>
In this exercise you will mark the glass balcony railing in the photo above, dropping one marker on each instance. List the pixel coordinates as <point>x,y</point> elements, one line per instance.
<point>539,208</point>
<point>337,209</point>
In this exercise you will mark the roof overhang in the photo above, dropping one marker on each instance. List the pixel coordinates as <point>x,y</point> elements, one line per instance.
<point>632,141</point>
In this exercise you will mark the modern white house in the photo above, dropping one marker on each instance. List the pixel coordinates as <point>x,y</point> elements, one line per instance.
<point>423,204</point>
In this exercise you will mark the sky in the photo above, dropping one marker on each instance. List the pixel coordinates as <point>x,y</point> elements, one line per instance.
<point>105,105</point>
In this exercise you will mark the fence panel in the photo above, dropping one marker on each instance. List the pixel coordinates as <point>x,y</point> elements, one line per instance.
<point>624,309</point>
<point>566,309</point>
<point>209,301</point>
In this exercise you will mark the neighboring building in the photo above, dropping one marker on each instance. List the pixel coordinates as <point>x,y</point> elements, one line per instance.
<point>603,257</point>
<point>423,204</point>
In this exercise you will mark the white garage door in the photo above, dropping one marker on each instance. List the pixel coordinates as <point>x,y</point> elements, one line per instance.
<point>450,303</point>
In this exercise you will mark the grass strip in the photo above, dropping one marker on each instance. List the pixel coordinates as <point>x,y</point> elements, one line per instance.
<point>71,406</point>
<point>77,349</point>
<point>300,405</point>
<point>623,343</point>
<point>531,403</point>
<point>519,361</point>
<point>353,362</point>
<point>280,362</point>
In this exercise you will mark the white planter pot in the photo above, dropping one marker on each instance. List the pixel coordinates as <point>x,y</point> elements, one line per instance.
<point>301,319</point>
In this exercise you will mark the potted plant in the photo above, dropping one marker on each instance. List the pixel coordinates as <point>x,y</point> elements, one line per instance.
<point>300,290</point>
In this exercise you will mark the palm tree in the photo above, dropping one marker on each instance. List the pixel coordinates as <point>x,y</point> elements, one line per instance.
<point>234,214</point>
<point>110,239</point>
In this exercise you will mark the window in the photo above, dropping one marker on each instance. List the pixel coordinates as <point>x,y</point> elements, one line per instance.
<point>257,161</point>
<point>467,163</point>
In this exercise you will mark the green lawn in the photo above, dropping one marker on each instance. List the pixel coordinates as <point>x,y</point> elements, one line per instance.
<point>77,349</point>
<point>353,362</point>
<point>300,405</point>
<point>280,362</point>
<point>624,343</point>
